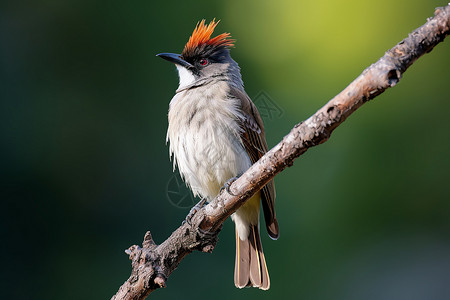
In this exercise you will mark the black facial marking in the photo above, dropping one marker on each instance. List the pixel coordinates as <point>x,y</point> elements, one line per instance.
<point>211,53</point>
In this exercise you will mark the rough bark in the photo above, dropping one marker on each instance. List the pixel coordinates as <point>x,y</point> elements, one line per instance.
<point>152,264</point>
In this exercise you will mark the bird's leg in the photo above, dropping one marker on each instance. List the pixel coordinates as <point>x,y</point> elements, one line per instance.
<point>202,202</point>
<point>194,210</point>
<point>227,185</point>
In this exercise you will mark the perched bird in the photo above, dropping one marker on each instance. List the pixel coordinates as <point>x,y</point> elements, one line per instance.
<point>216,133</point>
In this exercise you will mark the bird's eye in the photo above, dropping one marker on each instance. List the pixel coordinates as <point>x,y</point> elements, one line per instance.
<point>203,62</point>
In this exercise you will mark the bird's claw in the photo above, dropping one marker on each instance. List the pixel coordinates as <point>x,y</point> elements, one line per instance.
<point>193,211</point>
<point>228,184</point>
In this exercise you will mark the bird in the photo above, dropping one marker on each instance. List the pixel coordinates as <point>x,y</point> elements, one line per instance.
<point>215,134</point>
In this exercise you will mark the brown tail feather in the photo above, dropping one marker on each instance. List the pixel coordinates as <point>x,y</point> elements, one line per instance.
<point>250,267</point>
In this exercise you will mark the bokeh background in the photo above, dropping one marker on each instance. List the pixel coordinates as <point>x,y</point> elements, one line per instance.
<point>85,168</point>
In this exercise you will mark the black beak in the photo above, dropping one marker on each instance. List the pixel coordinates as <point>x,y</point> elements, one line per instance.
<point>176,59</point>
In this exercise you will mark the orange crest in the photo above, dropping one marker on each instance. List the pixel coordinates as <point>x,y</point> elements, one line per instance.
<point>202,35</point>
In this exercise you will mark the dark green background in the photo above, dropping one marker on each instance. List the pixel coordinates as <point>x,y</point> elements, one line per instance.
<point>85,169</point>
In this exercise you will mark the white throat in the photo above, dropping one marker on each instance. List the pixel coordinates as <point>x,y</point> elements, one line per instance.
<point>186,77</point>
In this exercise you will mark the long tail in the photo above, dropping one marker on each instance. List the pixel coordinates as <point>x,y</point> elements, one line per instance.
<point>250,267</point>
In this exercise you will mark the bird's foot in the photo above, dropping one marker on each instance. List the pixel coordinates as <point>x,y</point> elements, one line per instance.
<point>193,211</point>
<point>227,185</point>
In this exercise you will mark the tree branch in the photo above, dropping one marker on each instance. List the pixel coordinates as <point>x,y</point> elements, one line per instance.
<point>152,264</point>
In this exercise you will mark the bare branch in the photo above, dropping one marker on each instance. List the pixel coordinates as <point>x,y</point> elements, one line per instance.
<point>152,264</point>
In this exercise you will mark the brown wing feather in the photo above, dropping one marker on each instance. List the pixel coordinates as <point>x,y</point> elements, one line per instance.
<point>254,140</point>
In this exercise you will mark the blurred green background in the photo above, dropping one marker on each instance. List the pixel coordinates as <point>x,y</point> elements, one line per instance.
<point>85,168</point>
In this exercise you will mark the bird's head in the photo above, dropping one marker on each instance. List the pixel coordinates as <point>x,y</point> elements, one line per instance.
<point>203,56</point>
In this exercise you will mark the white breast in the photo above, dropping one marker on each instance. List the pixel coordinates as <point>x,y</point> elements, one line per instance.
<point>204,138</point>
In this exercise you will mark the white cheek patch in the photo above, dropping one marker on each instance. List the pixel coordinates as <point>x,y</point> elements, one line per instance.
<point>186,76</point>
